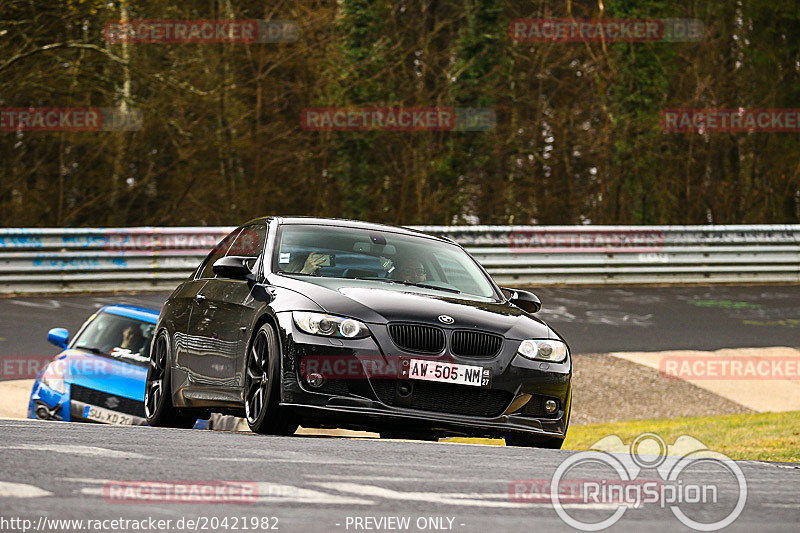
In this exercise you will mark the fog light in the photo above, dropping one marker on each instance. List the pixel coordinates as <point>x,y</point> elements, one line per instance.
<point>315,379</point>
<point>550,406</point>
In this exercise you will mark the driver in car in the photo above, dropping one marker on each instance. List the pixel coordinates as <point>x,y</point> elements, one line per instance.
<point>409,269</point>
<point>308,264</point>
<point>131,339</point>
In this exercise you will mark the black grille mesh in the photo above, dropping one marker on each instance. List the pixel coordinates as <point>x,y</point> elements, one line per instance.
<point>475,343</point>
<point>448,398</point>
<point>99,398</point>
<point>334,387</point>
<point>417,338</point>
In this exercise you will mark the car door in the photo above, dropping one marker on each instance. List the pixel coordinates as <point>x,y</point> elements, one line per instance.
<point>224,314</point>
<point>182,304</point>
<point>190,343</point>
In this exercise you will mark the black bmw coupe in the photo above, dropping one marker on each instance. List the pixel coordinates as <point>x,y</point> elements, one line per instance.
<point>336,323</point>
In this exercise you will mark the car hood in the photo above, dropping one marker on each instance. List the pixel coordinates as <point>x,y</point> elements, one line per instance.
<point>104,374</point>
<point>397,303</point>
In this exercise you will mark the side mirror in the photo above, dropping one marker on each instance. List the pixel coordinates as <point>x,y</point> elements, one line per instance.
<point>525,300</point>
<point>233,267</point>
<point>58,337</point>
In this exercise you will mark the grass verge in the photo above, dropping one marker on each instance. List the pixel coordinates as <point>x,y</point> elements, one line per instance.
<point>758,436</point>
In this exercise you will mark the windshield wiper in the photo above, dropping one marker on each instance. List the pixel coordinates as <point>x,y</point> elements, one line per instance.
<point>92,349</point>
<point>411,283</point>
<point>119,355</point>
<point>436,287</point>
<point>385,280</point>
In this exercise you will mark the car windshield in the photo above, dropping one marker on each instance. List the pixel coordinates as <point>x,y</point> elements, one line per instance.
<point>381,257</point>
<point>118,337</point>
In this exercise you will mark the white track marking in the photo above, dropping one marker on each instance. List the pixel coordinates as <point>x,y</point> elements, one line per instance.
<point>447,499</point>
<point>52,304</point>
<point>20,490</point>
<point>92,451</point>
<point>310,460</point>
<point>781,505</point>
<point>433,479</point>
<point>87,480</point>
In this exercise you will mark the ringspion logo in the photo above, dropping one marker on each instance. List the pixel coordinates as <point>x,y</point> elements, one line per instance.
<point>168,31</point>
<point>592,490</point>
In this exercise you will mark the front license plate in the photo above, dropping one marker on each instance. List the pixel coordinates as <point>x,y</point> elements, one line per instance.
<point>427,370</point>
<point>98,414</point>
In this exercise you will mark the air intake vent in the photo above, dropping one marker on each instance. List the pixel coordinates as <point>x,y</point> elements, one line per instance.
<point>475,344</point>
<point>417,338</point>
<point>448,398</point>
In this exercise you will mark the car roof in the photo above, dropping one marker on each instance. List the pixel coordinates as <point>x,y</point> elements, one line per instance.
<point>145,314</point>
<point>357,224</point>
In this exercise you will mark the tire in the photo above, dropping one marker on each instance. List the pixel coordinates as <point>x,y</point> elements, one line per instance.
<point>158,408</point>
<point>262,394</point>
<point>532,441</point>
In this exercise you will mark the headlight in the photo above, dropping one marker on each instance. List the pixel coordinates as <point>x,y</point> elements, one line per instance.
<point>543,350</point>
<point>53,376</point>
<point>330,325</point>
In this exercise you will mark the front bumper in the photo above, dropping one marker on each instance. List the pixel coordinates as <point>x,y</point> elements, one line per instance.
<point>48,404</point>
<point>78,412</point>
<point>513,402</point>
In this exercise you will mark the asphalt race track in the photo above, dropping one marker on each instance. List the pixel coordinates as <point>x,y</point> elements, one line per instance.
<point>324,484</point>
<point>593,320</point>
<point>65,470</point>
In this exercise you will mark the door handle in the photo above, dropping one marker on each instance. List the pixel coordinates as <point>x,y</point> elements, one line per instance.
<point>199,297</point>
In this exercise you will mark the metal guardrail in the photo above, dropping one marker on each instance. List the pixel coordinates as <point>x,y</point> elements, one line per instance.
<point>102,259</point>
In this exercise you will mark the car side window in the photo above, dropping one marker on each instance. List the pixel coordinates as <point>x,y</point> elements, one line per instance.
<point>250,241</point>
<point>207,270</point>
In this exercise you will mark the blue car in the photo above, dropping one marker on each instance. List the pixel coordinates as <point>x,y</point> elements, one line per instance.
<point>100,375</point>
